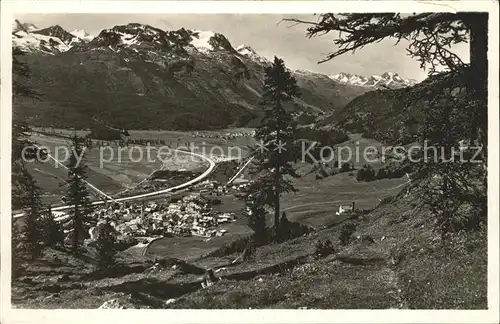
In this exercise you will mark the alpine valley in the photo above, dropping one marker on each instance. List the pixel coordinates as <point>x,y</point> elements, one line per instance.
<point>155,169</point>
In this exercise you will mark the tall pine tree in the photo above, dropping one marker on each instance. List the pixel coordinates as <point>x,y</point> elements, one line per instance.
<point>33,209</point>
<point>20,128</point>
<point>17,250</point>
<point>256,219</point>
<point>277,148</point>
<point>106,245</point>
<point>78,194</point>
<point>53,234</point>
<point>25,192</point>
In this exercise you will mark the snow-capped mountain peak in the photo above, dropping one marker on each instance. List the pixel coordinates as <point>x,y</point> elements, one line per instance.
<point>349,78</point>
<point>135,36</point>
<point>201,40</point>
<point>387,79</point>
<point>58,32</point>
<point>19,26</point>
<point>245,50</point>
<point>180,67</point>
<point>206,41</point>
<point>32,42</point>
<point>82,34</point>
<point>51,40</point>
<point>249,52</point>
<point>29,38</point>
<point>132,36</point>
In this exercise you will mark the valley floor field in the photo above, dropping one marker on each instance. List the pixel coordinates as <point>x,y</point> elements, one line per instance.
<point>314,204</point>
<point>115,170</point>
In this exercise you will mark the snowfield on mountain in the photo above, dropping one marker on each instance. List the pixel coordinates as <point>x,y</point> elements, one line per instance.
<point>82,34</point>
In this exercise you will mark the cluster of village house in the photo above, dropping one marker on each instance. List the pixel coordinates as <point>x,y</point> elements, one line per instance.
<point>190,215</point>
<point>225,136</point>
<point>212,188</point>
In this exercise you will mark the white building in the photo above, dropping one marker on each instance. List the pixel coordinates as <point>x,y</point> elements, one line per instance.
<point>345,209</point>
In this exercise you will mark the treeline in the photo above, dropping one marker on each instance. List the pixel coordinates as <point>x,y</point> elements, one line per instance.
<point>368,173</point>
<point>107,134</point>
<point>138,141</point>
<point>325,137</point>
<point>156,141</point>
<point>322,138</point>
<point>323,171</point>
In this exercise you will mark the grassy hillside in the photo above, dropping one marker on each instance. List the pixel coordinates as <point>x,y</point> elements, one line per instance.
<point>400,269</point>
<point>384,115</point>
<point>397,268</point>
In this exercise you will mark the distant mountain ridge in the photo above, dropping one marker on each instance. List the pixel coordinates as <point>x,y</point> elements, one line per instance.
<point>389,80</point>
<point>50,40</point>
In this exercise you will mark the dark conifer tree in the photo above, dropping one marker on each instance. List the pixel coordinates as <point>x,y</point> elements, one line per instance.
<point>20,128</point>
<point>25,192</point>
<point>278,149</point>
<point>18,249</point>
<point>106,245</point>
<point>256,219</point>
<point>78,194</point>
<point>33,240</point>
<point>53,234</point>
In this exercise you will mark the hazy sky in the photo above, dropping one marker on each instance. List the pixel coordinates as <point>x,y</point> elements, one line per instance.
<point>264,35</point>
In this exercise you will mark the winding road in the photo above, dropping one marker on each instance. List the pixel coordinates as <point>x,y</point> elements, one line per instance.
<point>240,171</point>
<point>149,194</point>
<point>100,192</point>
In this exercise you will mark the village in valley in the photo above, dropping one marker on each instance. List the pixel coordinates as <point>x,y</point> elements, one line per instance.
<point>191,215</point>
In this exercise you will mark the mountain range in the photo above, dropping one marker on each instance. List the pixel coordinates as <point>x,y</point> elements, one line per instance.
<point>389,80</point>
<point>142,77</point>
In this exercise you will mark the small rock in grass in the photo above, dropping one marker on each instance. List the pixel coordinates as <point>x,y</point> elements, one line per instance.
<point>52,296</point>
<point>367,239</point>
<point>112,304</point>
<point>27,280</point>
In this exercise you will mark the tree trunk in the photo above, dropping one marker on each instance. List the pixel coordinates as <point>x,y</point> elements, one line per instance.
<point>76,226</point>
<point>277,181</point>
<point>478,77</point>
<point>479,48</point>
